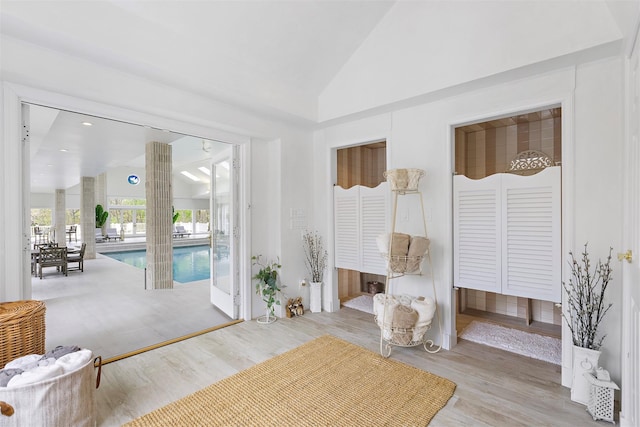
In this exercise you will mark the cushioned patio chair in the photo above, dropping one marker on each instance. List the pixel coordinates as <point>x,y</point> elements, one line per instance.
<point>99,235</point>
<point>77,257</point>
<point>112,234</point>
<point>180,231</point>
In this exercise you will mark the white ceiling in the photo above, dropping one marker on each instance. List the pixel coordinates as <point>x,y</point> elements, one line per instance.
<point>270,56</point>
<point>63,149</point>
<point>274,56</point>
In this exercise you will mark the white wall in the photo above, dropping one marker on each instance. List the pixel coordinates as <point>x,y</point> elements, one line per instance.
<point>421,137</point>
<point>280,181</point>
<point>599,132</point>
<point>422,47</point>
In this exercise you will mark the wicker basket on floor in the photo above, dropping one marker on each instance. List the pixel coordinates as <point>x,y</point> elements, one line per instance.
<point>22,328</point>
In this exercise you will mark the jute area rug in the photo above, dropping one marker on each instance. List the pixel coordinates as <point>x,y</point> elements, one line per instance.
<point>325,382</point>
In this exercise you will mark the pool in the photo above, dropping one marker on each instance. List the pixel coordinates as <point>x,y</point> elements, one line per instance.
<point>190,263</point>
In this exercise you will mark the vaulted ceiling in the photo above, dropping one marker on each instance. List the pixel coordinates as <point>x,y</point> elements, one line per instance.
<point>288,59</point>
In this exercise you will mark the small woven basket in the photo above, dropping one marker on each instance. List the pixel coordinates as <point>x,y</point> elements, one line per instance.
<point>22,327</point>
<point>403,179</point>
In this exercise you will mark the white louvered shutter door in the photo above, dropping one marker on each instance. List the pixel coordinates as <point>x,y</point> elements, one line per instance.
<point>374,221</point>
<point>347,235</point>
<point>531,235</point>
<point>476,231</point>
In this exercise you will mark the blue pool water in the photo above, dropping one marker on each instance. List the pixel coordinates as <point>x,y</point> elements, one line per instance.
<point>190,263</point>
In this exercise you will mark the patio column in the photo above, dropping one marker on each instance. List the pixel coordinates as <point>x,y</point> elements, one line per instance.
<point>159,195</point>
<point>59,217</point>
<point>88,215</point>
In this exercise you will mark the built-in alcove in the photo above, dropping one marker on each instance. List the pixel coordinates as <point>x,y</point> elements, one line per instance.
<point>359,165</point>
<point>487,148</point>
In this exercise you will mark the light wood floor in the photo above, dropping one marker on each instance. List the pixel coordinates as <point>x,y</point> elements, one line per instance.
<point>494,387</point>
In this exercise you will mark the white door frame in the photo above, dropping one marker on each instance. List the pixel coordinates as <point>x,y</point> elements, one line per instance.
<point>630,354</point>
<point>565,101</point>
<point>226,301</point>
<point>17,280</point>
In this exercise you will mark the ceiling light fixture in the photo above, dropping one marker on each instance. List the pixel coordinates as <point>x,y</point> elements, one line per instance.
<point>64,150</point>
<point>190,176</point>
<point>87,123</point>
<point>204,170</point>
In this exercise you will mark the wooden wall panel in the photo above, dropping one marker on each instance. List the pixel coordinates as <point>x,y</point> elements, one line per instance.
<point>483,152</point>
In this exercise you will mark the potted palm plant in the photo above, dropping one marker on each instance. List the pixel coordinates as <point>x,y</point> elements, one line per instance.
<point>316,262</point>
<point>267,286</point>
<point>586,308</point>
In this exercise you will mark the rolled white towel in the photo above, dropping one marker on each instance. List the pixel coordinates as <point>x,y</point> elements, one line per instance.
<point>379,308</point>
<point>404,300</point>
<point>378,304</point>
<point>72,361</point>
<point>25,363</point>
<point>426,308</point>
<point>36,375</point>
<point>383,243</point>
<point>46,362</point>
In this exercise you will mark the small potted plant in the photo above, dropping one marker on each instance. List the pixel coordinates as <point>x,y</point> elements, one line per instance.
<point>316,262</point>
<point>267,286</point>
<point>586,308</point>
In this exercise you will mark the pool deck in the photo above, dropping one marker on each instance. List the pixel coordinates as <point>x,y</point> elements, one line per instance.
<point>138,243</point>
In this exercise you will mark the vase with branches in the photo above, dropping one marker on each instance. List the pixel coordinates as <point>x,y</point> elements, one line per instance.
<point>586,308</point>
<point>585,299</point>
<point>315,256</point>
<point>267,285</point>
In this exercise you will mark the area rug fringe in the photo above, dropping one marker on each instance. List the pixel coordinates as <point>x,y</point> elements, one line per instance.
<point>525,343</point>
<point>325,382</point>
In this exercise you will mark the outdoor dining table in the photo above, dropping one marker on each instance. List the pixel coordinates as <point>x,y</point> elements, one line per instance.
<point>36,252</point>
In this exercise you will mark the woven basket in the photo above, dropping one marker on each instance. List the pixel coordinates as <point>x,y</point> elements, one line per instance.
<point>22,328</point>
<point>404,179</point>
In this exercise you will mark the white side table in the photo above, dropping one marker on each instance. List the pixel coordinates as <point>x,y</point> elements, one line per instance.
<point>601,398</point>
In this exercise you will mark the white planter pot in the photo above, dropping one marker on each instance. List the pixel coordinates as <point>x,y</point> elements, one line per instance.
<point>584,360</point>
<point>267,318</point>
<point>315,298</point>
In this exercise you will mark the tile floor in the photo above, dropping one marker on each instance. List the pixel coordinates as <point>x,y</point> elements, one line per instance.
<point>107,309</point>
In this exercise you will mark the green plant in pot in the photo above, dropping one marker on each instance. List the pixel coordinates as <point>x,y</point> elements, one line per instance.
<point>267,285</point>
<point>101,216</point>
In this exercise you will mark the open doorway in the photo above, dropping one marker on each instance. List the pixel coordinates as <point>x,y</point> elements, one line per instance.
<point>63,147</point>
<point>361,165</point>
<point>518,145</point>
